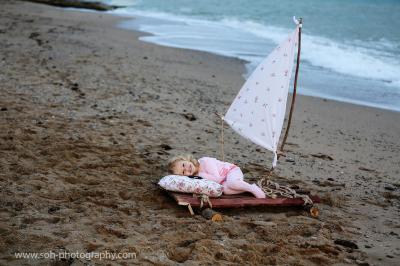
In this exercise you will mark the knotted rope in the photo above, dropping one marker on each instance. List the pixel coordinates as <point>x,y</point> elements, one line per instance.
<point>272,190</point>
<point>203,198</point>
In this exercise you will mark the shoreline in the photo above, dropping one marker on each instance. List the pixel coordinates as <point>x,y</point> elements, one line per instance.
<point>245,63</point>
<point>310,88</point>
<point>90,115</point>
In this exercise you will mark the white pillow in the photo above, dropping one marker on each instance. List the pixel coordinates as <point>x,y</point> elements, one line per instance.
<point>186,184</point>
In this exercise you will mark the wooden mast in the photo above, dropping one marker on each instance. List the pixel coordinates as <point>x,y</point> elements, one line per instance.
<point>294,89</point>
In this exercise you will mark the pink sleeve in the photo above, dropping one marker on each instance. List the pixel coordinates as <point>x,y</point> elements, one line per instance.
<point>209,169</point>
<point>209,165</point>
<point>210,177</point>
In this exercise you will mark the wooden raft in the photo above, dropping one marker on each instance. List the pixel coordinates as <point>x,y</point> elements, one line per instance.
<point>239,200</point>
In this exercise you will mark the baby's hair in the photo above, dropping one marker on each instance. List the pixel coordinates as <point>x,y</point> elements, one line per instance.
<point>184,157</point>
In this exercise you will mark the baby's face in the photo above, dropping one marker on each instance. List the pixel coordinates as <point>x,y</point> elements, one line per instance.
<point>184,168</point>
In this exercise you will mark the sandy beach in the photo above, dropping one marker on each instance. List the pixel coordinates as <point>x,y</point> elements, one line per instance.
<point>89,116</point>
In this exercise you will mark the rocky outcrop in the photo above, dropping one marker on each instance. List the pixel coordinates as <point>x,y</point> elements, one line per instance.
<point>76,3</point>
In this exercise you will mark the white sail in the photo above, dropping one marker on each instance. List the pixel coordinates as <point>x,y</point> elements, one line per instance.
<point>258,111</point>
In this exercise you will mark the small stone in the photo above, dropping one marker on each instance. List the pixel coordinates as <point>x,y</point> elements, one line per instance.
<point>316,181</point>
<point>264,223</point>
<point>190,116</point>
<point>346,243</point>
<point>53,209</point>
<point>166,147</point>
<point>18,206</point>
<point>389,188</point>
<point>34,35</point>
<point>3,109</point>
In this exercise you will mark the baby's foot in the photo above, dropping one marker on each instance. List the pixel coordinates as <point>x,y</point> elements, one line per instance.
<point>257,192</point>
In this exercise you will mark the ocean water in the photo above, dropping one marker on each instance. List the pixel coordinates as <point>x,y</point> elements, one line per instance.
<point>350,48</point>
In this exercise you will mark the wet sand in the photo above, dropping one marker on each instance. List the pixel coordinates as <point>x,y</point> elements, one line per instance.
<point>89,116</point>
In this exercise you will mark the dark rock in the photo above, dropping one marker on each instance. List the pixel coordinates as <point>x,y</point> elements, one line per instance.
<point>316,181</point>
<point>39,42</point>
<point>53,209</point>
<point>145,57</point>
<point>75,87</point>
<point>3,109</point>
<point>190,116</point>
<point>366,169</point>
<point>76,3</point>
<point>166,147</point>
<point>346,243</point>
<point>330,179</point>
<point>18,206</point>
<point>389,188</point>
<point>322,156</point>
<point>34,35</point>
<point>186,243</point>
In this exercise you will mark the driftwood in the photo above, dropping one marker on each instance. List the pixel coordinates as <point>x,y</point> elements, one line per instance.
<point>322,156</point>
<point>238,200</point>
<point>76,3</point>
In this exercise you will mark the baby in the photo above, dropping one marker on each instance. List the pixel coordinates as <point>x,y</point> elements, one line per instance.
<point>228,175</point>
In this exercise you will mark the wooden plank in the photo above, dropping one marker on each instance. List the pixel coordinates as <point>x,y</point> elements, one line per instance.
<point>240,200</point>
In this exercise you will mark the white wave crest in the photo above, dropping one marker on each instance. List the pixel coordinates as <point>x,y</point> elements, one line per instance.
<point>339,57</point>
<point>346,58</point>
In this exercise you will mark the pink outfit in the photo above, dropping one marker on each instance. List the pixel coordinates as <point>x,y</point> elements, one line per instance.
<point>228,175</point>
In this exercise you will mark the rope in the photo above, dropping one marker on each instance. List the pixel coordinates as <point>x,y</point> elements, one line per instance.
<point>222,135</point>
<point>203,198</point>
<point>272,190</point>
<point>222,139</point>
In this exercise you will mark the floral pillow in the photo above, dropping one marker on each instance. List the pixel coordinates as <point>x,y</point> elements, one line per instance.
<point>185,184</point>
